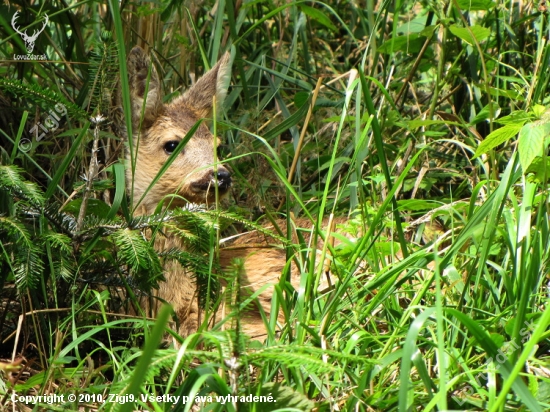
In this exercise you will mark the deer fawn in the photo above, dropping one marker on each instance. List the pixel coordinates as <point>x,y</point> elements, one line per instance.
<point>157,128</point>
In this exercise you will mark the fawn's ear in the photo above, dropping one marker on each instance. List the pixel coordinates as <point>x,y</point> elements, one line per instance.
<point>139,66</point>
<point>214,83</point>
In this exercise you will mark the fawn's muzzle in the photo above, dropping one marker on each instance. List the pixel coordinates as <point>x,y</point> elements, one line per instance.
<point>222,179</point>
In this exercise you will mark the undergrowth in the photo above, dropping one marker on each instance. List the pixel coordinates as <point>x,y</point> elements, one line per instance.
<point>423,125</point>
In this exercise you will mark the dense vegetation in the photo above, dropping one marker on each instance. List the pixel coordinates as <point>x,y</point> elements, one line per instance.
<point>426,124</point>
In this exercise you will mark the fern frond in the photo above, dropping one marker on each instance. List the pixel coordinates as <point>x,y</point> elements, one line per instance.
<point>28,267</point>
<point>93,222</point>
<point>189,233</point>
<point>58,241</point>
<point>103,74</point>
<point>16,231</point>
<point>133,248</point>
<point>62,245</point>
<point>140,256</point>
<point>64,268</point>
<point>147,221</point>
<point>45,98</point>
<point>12,181</point>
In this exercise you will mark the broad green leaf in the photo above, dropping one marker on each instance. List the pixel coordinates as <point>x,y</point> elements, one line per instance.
<point>479,33</point>
<point>428,31</point>
<point>319,16</point>
<point>499,136</point>
<point>473,5</point>
<point>538,170</point>
<point>538,110</point>
<point>414,25</point>
<point>408,44</point>
<point>518,117</point>
<point>507,93</point>
<point>95,207</point>
<point>491,110</point>
<point>531,142</point>
<point>455,279</point>
<point>497,339</point>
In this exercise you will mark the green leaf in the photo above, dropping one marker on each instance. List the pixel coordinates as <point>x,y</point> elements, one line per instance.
<point>506,93</point>
<point>518,117</point>
<point>67,159</point>
<point>95,207</point>
<point>417,204</point>
<point>319,16</point>
<point>490,110</point>
<point>145,360</point>
<point>118,169</point>
<point>479,33</point>
<point>538,170</point>
<point>474,5</point>
<point>411,43</point>
<point>286,124</point>
<point>497,339</point>
<point>301,98</point>
<point>531,142</point>
<point>499,136</point>
<point>538,110</point>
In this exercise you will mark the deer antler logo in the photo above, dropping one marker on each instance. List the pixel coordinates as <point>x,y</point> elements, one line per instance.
<point>29,40</point>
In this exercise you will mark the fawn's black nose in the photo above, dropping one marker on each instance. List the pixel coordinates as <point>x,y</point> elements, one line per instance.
<point>224,179</point>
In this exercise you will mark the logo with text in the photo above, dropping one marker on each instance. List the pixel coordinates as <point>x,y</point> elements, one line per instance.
<point>29,40</point>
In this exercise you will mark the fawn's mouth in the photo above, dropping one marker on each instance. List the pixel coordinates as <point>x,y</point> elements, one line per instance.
<point>208,191</point>
<point>202,194</point>
<point>207,186</point>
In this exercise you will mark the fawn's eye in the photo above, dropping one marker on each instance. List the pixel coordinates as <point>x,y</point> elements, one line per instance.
<point>170,146</point>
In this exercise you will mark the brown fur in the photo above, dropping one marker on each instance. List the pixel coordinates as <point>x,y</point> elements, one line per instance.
<point>264,262</point>
<point>191,176</point>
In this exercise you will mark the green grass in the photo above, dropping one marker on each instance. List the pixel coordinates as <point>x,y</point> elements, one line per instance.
<point>428,133</point>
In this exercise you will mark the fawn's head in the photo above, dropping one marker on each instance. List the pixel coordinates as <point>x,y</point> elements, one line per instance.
<point>158,128</point>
